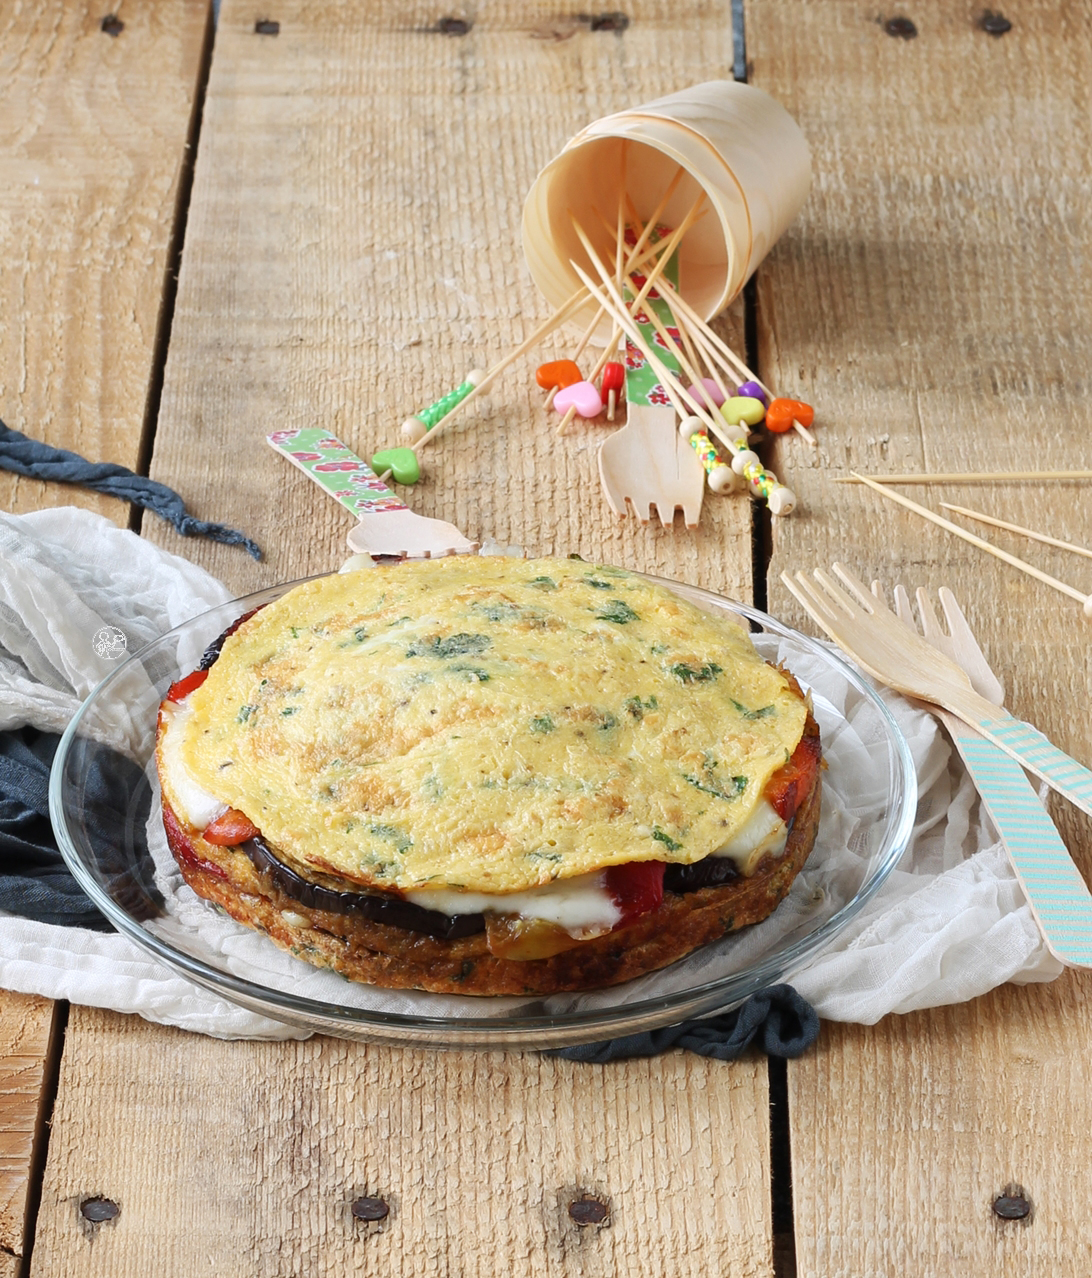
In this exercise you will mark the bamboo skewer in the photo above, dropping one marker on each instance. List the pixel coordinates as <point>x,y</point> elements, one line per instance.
<point>651,279</point>
<point>559,317</point>
<point>970,477</point>
<point>684,406</point>
<point>988,547</point>
<point>619,246</point>
<point>688,368</point>
<point>1016,528</point>
<point>665,250</point>
<point>650,225</point>
<point>654,275</point>
<point>711,415</point>
<point>764,483</point>
<point>547,326</point>
<point>730,362</point>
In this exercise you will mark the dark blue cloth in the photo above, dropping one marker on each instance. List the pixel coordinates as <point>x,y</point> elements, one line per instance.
<point>34,880</point>
<point>115,805</point>
<point>783,1023</point>
<point>31,457</point>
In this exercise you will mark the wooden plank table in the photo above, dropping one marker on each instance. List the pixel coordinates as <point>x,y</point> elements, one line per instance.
<point>93,138</point>
<point>351,240</point>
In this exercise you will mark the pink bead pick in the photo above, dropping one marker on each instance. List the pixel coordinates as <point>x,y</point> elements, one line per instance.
<point>715,392</point>
<point>582,396</point>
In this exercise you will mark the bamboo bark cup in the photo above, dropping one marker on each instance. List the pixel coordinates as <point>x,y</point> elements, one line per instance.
<point>734,142</point>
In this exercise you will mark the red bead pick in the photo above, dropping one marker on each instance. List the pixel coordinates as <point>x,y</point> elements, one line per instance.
<point>614,378</point>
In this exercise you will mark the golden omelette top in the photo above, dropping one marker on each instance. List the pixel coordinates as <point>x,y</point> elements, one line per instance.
<point>489,724</point>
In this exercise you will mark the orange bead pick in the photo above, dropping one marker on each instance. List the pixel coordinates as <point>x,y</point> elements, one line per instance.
<point>783,412</point>
<point>558,374</point>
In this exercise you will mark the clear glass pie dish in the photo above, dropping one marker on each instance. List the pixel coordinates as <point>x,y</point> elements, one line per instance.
<point>105,806</point>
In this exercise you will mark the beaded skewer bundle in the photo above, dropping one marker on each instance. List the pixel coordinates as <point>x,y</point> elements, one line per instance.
<point>720,148</point>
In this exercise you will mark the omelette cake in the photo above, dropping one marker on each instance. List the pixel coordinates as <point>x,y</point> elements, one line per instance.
<point>489,775</point>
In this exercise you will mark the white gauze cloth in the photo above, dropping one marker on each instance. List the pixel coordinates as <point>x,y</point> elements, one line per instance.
<point>949,924</point>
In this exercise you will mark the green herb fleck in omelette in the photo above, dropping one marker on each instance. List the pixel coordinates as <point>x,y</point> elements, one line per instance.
<point>495,723</point>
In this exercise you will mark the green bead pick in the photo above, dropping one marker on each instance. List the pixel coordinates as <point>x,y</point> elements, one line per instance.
<point>401,462</point>
<point>436,412</point>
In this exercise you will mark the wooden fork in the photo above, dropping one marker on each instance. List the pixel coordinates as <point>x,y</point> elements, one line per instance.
<point>1058,896</point>
<point>647,463</point>
<point>875,638</point>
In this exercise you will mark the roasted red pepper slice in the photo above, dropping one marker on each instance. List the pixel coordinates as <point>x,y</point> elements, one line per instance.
<point>789,785</point>
<point>181,689</point>
<point>231,828</point>
<point>183,849</point>
<point>636,887</point>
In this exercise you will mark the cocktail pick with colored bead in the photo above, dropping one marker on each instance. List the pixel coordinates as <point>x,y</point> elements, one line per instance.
<point>719,477</point>
<point>580,398</point>
<point>614,378</point>
<point>762,483</point>
<point>753,390</point>
<point>581,346</point>
<point>415,428</point>
<point>715,393</point>
<point>791,414</point>
<point>736,411</point>
<point>556,375</point>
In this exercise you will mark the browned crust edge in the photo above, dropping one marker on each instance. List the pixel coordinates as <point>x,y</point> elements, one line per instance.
<point>377,954</point>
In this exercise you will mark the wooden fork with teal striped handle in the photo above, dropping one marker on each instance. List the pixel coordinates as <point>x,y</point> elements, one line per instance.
<point>1058,896</point>
<point>902,659</point>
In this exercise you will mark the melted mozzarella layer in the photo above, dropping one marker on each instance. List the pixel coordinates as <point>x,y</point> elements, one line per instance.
<point>764,831</point>
<point>190,801</point>
<point>580,905</point>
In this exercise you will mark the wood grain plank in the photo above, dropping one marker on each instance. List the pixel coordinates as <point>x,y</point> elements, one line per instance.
<point>92,138</point>
<point>26,1022</point>
<point>933,304</point>
<point>246,1158</point>
<point>352,249</point>
<point>92,141</point>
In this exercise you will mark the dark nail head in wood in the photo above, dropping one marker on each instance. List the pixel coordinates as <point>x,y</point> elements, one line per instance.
<point>112,25</point>
<point>902,28</point>
<point>1011,1205</point>
<point>98,1209</point>
<point>588,1211</point>
<point>616,22</point>
<point>370,1209</point>
<point>995,24</point>
<point>452,26</point>
<point>266,26</point>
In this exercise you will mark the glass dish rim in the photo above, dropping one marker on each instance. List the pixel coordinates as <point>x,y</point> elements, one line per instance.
<point>515,1030</point>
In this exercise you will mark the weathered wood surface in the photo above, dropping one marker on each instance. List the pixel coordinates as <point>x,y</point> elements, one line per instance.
<point>352,249</point>
<point>934,303</point>
<point>246,1159</point>
<point>25,1026</point>
<point>92,138</point>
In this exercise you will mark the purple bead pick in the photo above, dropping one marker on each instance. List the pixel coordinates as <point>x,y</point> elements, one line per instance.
<point>752,390</point>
